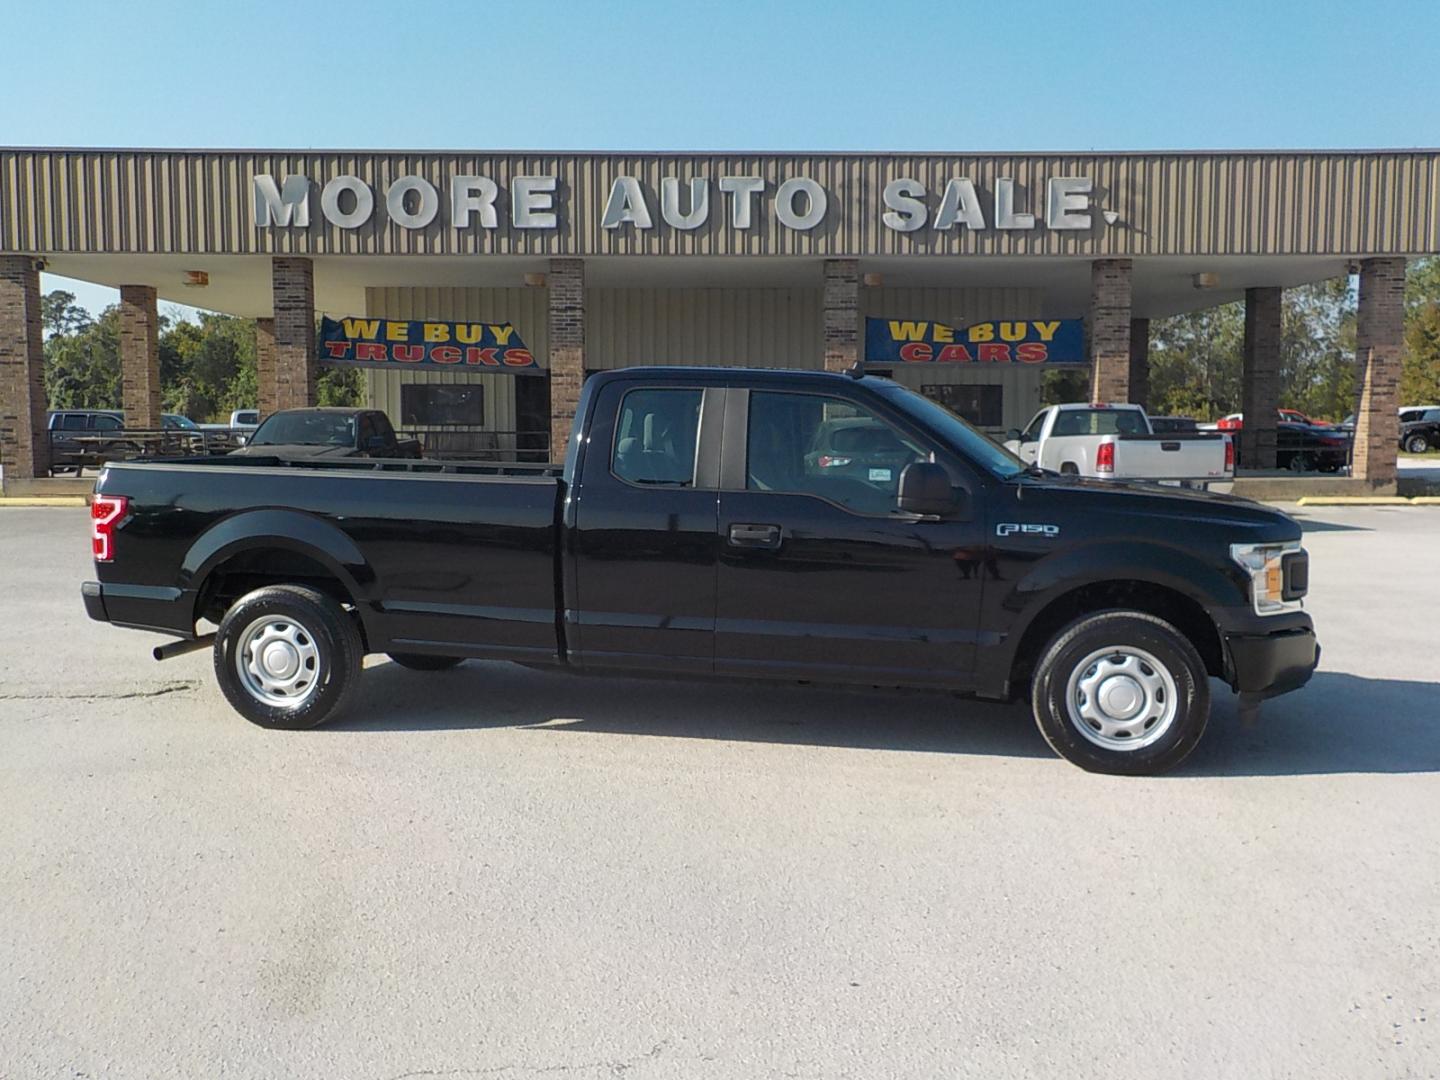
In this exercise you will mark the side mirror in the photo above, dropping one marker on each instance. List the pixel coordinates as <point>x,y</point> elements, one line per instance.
<point>1014,435</point>
<point>925,489</point>
<point>375,442</point>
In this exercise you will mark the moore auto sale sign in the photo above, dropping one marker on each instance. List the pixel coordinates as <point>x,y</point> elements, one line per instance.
<point>797,203</point>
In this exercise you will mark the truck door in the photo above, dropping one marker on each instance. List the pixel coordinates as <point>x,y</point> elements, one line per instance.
<point>644,546</point>
<point>819,575</point>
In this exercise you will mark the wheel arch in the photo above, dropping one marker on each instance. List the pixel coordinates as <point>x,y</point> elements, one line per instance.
<point>273,547</point>
<point>1163,582</point>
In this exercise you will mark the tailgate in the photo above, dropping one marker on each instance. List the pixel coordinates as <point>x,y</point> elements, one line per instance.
<point>1162,457</point>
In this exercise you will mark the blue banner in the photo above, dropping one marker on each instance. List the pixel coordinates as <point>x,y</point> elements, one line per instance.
<point>1003,341</point>
<point>390,343</point>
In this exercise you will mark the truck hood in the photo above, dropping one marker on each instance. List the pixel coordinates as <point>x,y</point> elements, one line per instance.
<point>294,450</point>
<point>1187,508</point>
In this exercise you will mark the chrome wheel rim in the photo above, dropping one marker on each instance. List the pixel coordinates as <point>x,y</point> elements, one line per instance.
<point>1122,698</point>
<point>278,662</point>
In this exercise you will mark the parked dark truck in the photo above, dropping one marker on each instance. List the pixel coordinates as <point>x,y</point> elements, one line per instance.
<point>694,530</point>
<point>327,433</point>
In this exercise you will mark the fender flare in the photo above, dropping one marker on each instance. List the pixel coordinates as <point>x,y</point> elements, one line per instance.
<point>287,530</point>
<point>1091,564</point>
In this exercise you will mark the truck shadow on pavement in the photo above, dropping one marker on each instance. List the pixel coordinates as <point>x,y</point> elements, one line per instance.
<point>1339,723</point>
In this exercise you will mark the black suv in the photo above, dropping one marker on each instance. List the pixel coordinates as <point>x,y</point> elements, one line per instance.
<point>1419,429</point>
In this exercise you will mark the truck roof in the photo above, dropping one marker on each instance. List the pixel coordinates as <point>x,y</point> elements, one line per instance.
<point>750,374</point>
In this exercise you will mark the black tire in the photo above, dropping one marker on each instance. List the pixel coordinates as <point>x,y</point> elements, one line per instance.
<point>330,648</point>
<point>1072,652</point>
<point>422,662</point>
<point>1301,463</point>
<point>1416,444</point>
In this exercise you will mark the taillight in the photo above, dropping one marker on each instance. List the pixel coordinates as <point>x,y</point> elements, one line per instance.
<point>827,461</point>
<point>1105,457</point>
<point>1229,455</point>
<point>105,513</point>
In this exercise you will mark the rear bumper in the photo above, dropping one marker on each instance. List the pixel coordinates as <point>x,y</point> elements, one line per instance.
<point>164,609</point>
<point>1267,664</point>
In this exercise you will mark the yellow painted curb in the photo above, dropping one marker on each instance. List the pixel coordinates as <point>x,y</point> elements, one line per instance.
<point>1426,500</point>
<point>44,500</point>
<point>1362,500</point>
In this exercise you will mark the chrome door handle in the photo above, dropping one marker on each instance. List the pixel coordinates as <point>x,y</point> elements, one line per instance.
<point>757,536</point>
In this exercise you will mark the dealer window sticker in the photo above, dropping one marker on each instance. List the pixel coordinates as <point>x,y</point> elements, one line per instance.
<point>880,476</point>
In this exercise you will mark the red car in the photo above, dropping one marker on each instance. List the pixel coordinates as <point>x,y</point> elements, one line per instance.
<point>1236,421</point>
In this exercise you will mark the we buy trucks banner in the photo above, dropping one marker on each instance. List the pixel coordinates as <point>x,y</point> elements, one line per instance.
<point>389,343</point>
<point>1003,341</point>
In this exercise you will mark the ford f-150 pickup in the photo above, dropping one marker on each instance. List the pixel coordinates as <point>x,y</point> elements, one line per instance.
<point>697,528</point>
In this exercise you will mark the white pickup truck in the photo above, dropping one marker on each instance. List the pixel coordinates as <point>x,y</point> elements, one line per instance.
<point>1115,442</point>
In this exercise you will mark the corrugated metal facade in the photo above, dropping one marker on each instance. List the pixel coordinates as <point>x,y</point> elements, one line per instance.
<point>1254,203</point>
<point>748,327</point>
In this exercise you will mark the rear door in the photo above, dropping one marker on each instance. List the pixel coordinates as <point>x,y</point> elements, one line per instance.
<point>819,575</point>
<point>644,541</point>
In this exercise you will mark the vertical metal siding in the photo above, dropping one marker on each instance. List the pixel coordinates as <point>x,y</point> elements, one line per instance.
<point>1248,203</point>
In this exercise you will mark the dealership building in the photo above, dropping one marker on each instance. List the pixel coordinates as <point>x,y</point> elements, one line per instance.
<point>603,260</point>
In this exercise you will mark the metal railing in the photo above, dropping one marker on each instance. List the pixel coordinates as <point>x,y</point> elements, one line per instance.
<point>72,449</point>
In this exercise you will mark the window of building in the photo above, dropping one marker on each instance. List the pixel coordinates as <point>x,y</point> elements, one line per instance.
<point>983,406</point>
<point>425,404</point>
<point>813,445</point>
<point>656,437</point>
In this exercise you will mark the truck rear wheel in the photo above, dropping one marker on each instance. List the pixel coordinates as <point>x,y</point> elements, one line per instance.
<point>1121,692</point>
<point>287,656</point>
<point>422,662</point>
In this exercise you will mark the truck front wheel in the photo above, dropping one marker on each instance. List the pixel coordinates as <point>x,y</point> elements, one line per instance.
<point>1121,692</point>
<point>287,656</point>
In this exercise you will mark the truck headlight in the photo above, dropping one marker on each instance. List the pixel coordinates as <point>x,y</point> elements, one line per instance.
<point>1279,574</point>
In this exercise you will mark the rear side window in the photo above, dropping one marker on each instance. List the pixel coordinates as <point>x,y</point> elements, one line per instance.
<point>656,437</point>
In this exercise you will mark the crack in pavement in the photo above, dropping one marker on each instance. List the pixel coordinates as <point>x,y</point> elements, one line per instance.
<point>179,687</point>
<point>616,1068</point>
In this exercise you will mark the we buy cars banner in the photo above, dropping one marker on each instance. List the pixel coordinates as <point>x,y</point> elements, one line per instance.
<point>1003,341</point>
<point>389,343</point>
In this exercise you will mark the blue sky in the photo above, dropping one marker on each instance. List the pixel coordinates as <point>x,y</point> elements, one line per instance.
<point>724,76</point>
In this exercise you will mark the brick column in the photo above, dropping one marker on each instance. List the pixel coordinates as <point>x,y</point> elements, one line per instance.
<point>24,441</point>
<point>139,356</point>
<point>1140,363</point>
<point>566,281</point>
<point>1379,336</point>
<point>269,391</point>
<point>842,322</point>
<point>1260,377</point>
<point>1109,327</point>
<point>293,286</point>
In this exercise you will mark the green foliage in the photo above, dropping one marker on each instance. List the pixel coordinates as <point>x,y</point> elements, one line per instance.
<point>1195,362</point>
<point>207,368</point>
<point>1420,368</point>
<point>82,367</point>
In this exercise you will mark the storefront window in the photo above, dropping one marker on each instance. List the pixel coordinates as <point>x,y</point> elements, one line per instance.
<point>982,406</point>
<point>423,404</point>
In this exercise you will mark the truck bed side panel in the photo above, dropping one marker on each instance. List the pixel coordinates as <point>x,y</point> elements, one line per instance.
<point>434,562</point>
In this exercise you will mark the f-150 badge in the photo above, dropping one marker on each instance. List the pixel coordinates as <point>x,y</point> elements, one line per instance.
<point>1011,528</point>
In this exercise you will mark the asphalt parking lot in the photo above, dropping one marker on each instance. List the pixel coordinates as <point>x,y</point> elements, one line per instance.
<point>494,872</point>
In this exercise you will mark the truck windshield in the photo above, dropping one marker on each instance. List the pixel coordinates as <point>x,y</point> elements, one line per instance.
<point>953,429</point>
<point>306,429</point>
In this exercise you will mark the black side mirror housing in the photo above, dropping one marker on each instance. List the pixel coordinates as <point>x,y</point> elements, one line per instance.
<point>1014,435</point>
<point>925,488</point>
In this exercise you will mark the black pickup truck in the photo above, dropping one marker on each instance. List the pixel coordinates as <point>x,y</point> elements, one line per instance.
<point>328,433</point>
<point>694,529</point>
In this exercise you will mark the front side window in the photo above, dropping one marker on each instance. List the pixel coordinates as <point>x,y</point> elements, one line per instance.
<point>813,445</point>
<point>1032,433</point>
<point>656,437</point>
<point>105,422</point>
<point>72,421</point>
